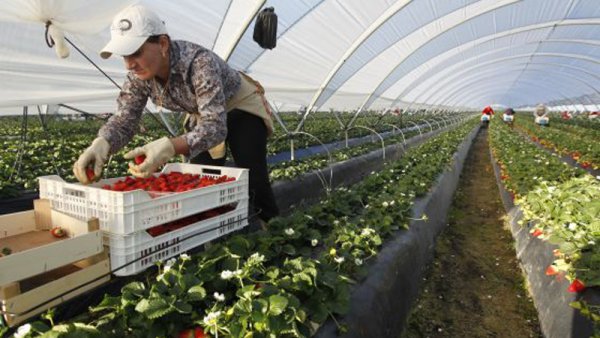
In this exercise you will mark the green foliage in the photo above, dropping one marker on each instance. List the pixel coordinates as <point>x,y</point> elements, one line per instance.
<point>282,282</point>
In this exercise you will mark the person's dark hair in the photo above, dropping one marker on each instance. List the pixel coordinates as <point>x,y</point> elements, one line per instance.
<point>155,38</point>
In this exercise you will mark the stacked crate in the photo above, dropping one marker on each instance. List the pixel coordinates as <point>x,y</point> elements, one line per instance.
<point>128,218</point>
<point>42,271</point>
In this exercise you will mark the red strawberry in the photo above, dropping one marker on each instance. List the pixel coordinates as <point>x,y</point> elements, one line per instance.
<point>537,232</point>
<point>193,333</point>
<point>576,286</point>
<point>551,270</point>
<point>139,159</point>
<point>58,232</point>
<point>89,172</point>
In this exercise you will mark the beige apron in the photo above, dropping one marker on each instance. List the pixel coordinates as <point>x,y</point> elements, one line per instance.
<point>251,98</point>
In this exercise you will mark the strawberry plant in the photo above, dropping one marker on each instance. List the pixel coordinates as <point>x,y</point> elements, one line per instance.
<point>53,149</point>
<point>560,203</point>
<point>284,281</point>
<point>576,142</point>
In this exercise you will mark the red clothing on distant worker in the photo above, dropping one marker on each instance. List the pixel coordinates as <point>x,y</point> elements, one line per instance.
<point>488,111</point>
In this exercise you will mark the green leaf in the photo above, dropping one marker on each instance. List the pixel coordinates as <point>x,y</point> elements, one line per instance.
<point>289,249</point>
<point>108,302</point>
<point>302,277</point>
<point>182,307</point>
<point>39,326</point>
<point>273,273</point>
<point>277,304</point>
<point>196,293</point>
<point>154,308</point>
<point>136,288</point>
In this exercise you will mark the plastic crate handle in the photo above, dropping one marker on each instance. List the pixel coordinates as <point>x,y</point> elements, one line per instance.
<point>73,191</point>
<point>211,171</point>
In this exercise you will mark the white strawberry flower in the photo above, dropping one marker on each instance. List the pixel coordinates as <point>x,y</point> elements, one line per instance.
<point>258,258</point>
<point>572,226</point>
<point>170,263</point>
<point>211,318</point>
<point>289,231</point>
<point>339,260</point>
<point>219,297</point>
<point>22,331</point>
<point>226,274</point>
<point>385,204</point>
<point>366,232</point>
<point>184,257</point>
<point>314,242</point>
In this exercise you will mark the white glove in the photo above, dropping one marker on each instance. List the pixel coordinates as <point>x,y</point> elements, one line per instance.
<point>95,154</point>
<point>157,153</point>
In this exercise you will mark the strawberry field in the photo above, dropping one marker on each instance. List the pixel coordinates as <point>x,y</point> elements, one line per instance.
<point>301,272</point>
<point>51,148</point>
<point>577,142</point>
<point>286,280</point>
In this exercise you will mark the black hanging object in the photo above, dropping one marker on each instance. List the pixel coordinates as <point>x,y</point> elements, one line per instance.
<point>265,28</point>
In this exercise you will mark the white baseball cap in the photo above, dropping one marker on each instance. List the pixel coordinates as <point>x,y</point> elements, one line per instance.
<point>540,108</point>
<point>130,29</point>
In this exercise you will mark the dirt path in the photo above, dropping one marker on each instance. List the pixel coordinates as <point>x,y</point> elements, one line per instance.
<point>474,287</point>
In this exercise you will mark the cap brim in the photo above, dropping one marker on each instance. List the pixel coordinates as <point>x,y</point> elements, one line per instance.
<point>122,46</point>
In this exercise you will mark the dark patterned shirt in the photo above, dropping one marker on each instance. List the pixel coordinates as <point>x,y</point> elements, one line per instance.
<point>200,82</point>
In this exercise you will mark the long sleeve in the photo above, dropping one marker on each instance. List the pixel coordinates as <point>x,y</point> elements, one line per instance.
<point>121,127</point>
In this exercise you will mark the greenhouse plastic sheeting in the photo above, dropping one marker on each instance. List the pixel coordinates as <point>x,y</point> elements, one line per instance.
<point>330,54</point>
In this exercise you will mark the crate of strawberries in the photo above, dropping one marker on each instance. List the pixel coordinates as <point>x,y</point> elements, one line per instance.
<point>133,253</point>
<point>126,205</point>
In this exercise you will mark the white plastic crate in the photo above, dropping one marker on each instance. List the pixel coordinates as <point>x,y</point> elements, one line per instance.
<point>132,211</point>
<point>127,248</point>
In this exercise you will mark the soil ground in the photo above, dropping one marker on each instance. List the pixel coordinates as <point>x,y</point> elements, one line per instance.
<point>474,288</point>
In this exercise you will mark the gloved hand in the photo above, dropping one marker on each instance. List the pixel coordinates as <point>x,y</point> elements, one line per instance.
<point>95,154</point>
<point>157,153</point>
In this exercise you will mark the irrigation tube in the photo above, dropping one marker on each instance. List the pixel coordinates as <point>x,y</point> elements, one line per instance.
<point>376,133</point>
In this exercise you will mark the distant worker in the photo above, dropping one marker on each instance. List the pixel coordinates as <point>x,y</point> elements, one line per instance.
<point>508,116</point>
<point>486,115</point>
<point>487,111</point>
<point>566,115</point>
<point>541,115</point>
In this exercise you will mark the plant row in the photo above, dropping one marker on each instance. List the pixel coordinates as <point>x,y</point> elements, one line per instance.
<point>21,163</point>
<point>583,145</point>
<point>280,282</point>
<point>560,204</point>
